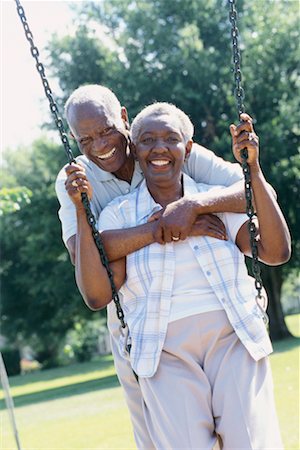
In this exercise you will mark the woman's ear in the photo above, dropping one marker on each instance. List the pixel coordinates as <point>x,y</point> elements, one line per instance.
<point>133,149</point>
<point>124,116</point>
<point>188,149</point>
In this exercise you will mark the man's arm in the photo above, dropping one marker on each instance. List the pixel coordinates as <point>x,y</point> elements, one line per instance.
<point>91,276</point>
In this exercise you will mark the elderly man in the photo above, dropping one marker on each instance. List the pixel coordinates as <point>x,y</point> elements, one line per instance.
<point>100,127</point>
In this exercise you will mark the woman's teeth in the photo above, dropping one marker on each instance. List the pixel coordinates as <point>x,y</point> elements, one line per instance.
<point>160,162</point>
<point>108,154</point>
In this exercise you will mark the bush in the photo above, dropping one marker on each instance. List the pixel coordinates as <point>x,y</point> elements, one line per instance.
<point>11,358</point>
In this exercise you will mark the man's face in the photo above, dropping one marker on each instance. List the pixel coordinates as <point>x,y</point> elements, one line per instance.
<point>161,148</point>
<point>101,137</point>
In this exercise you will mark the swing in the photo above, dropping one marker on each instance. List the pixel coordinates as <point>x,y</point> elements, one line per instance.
<point>239,94</point>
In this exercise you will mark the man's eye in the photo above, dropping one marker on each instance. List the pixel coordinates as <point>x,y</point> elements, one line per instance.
<point>106,131</point>
<point>85,141</point>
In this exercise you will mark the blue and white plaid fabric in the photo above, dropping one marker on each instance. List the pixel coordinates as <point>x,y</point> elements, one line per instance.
<point>150,272</point>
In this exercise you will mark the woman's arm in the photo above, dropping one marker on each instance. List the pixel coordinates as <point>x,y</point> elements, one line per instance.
<point>273,237</point>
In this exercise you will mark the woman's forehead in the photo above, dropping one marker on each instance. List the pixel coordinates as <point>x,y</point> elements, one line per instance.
<point>162,122</point>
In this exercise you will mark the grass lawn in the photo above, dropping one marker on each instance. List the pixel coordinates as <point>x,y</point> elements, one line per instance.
<point>82,406</point>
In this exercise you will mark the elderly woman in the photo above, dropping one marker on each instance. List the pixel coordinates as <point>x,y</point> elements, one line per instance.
<point>198,341</point>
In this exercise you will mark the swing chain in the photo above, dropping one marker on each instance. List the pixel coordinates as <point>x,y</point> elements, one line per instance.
<point>239,91</point>
<point>239,95</point>
<point>41,70</point>
<point>64,138</point>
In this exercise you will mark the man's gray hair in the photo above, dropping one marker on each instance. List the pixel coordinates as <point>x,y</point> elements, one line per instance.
<point>160,109</point>
<point>94,93</point>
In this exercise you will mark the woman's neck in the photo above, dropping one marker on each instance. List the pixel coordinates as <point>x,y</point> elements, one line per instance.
<point>167,193</point>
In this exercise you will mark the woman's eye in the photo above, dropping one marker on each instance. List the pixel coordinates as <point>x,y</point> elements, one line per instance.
<point>172,139</point>
<point>147,140</point>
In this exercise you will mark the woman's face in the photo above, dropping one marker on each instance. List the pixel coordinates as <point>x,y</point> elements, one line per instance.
<point>161,148</point>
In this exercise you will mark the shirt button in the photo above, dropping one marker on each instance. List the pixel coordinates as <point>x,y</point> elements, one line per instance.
<point>208,273</point>
<point>196,247</point>
<point>127,191</point>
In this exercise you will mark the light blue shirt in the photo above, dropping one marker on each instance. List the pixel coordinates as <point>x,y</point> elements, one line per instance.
<point>150,273</point>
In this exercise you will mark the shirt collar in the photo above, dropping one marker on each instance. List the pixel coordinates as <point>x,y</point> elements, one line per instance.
<point>146,205</point>
<point>102,176</point>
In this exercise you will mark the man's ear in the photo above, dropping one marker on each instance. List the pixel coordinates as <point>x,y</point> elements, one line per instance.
<point>124,116</point>
<point>188,148</point>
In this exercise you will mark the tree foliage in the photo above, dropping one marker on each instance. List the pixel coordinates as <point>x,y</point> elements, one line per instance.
<point>39,298</point>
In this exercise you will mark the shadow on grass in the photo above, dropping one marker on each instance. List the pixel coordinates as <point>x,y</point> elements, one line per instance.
<point>286,344</point>
<point>111,381</point>
<point>102,363</point>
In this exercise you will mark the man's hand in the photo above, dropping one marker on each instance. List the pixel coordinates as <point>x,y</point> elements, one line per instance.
<point>76,183</point>
<point>174,221</point>
<point>181,219</point>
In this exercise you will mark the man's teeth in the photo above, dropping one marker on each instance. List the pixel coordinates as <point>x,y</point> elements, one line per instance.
<point>160,162</point>
<point>108,154</point>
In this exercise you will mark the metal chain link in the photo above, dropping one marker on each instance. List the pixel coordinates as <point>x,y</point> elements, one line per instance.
<point>64,138</point>
<point>240,95</point>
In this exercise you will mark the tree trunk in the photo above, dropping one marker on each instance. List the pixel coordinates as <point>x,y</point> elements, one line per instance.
<point>272,280</point>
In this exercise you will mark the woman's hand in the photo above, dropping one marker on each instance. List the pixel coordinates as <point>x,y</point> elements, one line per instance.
<point>209,225</point>
<point>76,183</point>
<point>244,136</point>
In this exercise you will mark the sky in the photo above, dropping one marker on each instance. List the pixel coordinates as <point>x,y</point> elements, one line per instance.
<point>24,108</point>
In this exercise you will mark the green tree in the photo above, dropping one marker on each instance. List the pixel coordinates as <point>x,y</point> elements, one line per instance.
<point>39,298</point>
<point>179,51</point>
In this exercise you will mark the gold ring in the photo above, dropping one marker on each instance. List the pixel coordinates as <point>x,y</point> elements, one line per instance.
<point>74,183</point>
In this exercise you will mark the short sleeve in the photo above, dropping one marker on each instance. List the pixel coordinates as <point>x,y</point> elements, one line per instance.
<point>67,211</point>
<point>111,218</point>
<point>233,222</point>
<point>206,167</point>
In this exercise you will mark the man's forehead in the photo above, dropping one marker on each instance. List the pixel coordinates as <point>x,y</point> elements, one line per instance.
<point>88,108</point>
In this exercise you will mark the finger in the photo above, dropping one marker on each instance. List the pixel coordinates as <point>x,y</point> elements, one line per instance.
<point>158,235</point>
<point>243,136</point>
<point>232,129</point>
<point>75,176</point>
<point>243,126</point>
<point>217,235</point>
<point>245,117</point>
<point>155,216</point>
<point>72,168</point>
<point>250,145</point>
<point>167,235</point>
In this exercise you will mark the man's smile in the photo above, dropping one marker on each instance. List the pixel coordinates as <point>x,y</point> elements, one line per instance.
<point>108,154</point>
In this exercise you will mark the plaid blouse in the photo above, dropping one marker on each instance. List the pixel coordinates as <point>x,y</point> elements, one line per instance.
<point>150,272</point>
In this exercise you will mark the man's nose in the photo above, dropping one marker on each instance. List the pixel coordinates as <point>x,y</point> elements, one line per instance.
<point>99,143</point>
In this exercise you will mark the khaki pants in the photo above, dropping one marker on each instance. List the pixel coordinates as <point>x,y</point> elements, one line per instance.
<point>207,383</point>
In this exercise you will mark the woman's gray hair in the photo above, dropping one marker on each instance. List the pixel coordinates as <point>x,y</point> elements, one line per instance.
<point>159,109</point>
<point>94,93</point>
